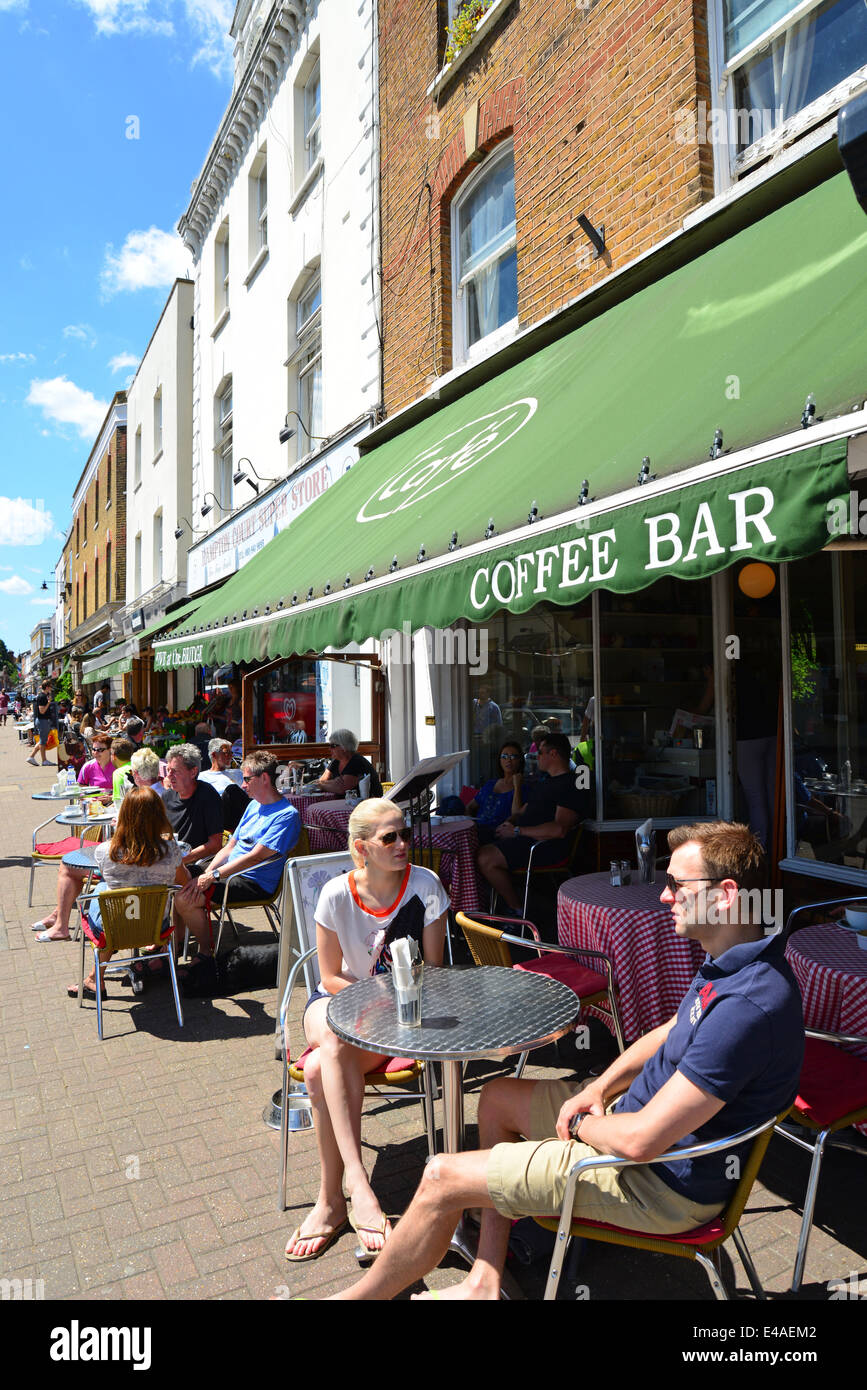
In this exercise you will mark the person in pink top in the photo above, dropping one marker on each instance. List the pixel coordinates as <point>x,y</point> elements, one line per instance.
<point>4,706</point>
<point>100,771</point>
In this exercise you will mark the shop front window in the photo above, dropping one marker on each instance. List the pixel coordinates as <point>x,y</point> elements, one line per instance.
<point>828,656</point>
<point>539,675</point>
<point>298,702</point>
<point>656,721</point>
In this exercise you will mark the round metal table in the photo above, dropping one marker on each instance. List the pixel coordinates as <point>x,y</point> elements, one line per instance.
<point>84,858</point>
<point>73,817</point>
<point>68,793</point>
<point>468,1012</point>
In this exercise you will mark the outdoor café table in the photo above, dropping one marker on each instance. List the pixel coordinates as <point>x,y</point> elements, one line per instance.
<point>653,968</point>
<point>467,1012</point>
<point>456,839</point>
<point>302,801</point>
<point>68,792</point>
<point>831,970</point>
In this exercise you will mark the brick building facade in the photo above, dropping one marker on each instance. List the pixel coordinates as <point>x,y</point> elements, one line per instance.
<point>590,96</point>
<point>95,552</point>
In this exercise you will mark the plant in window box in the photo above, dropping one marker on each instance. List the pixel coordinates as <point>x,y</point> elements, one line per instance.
<point>464,26</point>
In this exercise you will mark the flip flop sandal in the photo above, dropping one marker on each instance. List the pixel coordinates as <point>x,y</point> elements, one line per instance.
<point>363,1254</point>
<point>327,1237</point>
<point>86,993</point>
<point>44,938</point>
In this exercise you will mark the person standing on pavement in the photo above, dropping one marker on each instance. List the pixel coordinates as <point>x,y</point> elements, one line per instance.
<point>4,706</point>
<point>45,719</point>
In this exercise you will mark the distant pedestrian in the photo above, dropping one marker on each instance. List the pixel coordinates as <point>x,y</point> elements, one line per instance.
<point>4,706</point>
<point>45,719</point>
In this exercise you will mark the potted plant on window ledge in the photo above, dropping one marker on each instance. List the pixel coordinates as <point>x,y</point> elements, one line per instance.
<point>463,27</point>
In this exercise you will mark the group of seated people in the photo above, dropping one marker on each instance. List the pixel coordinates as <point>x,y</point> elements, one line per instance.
<point>729,1059</point>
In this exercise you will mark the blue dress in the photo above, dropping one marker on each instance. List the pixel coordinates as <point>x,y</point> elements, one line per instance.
<point>494,807</point>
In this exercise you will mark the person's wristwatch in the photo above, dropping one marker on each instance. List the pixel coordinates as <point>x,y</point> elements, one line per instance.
<point>575,1123</point>
<point>517,830</point>
<point>215,875</point>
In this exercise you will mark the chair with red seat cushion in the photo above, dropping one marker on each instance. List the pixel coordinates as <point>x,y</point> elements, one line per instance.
<point>832,1094</point>
<point>700,1244</point>
<point>52,851</point>
<point>491,945</point>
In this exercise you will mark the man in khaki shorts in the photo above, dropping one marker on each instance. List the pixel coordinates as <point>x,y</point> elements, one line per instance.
<point>729,1059</point>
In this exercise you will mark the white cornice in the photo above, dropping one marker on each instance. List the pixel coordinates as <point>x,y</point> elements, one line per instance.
<point>257,85</point>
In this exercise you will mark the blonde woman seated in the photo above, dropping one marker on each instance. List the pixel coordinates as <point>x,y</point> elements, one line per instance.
<point>141,853</point>
<point>358,916</point>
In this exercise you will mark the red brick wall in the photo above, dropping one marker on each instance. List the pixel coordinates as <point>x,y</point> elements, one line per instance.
<point>590,97</point>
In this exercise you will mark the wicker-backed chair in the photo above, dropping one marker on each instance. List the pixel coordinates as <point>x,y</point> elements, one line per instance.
<point>491,945</point>
<point>700,1244</point>
<point>132,918</point>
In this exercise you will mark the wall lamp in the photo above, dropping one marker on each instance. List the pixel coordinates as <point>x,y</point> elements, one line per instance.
<point>852,143</point>
<point>288,430</point>
<point>179,530</point>
<point>208,507</point>
<point>239,476</point>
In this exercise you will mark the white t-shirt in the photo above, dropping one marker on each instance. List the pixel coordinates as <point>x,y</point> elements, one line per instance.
<point>364,934</point>
<point>217,779</point>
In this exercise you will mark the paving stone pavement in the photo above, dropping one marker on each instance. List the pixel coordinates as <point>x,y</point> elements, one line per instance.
<point>139,1168</point>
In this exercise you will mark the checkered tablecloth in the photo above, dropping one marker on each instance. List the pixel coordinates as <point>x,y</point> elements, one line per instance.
<point>653,968</point>
<point>327,823</point>
<point>302,801</point>
<point>831,969</point>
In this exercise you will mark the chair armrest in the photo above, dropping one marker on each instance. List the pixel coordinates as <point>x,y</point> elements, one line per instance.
<point>575,952</point>
<point>287,995</point>
<point>50,821</point>
<point>834,1037</point>
<point>486,917</point>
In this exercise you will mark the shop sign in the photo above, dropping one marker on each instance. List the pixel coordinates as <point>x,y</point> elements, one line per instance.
<point>235,542</point>
<point>180,656</point>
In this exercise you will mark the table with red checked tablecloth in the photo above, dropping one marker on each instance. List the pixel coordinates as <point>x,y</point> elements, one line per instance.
<point>327,823</point>
<point>653,968</point>
<point>831,970</point>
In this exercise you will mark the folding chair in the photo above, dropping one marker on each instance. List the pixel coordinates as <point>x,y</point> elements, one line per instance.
<point>702,1243</point>
<point>305,879</point>
<point>132,918</point>
<point>562,866</point>
<point>490,945</point>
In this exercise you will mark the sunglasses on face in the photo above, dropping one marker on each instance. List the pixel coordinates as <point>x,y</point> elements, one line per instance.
<point>405,834</point>
<point>511,757</point>
<point>675,883</point>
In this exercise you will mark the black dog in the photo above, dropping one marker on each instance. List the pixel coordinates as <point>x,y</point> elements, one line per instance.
<point>246,967</point>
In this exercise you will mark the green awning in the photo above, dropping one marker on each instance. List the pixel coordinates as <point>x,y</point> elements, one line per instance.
<point>116,661</point>
<point>735,339</point>
<point>169,620</point>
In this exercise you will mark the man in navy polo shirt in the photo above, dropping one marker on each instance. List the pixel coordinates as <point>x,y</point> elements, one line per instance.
<point>729,1059</point>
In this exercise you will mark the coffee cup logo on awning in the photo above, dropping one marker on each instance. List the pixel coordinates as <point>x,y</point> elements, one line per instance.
<point>448,460</point>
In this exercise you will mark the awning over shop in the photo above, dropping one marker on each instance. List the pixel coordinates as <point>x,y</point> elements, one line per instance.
<point>475,508</point>
<point>170,620</point>
<point>113,661</point>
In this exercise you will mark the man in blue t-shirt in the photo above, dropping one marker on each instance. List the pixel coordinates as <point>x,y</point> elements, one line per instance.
<point>728,1060</point>
<point>267,831</point>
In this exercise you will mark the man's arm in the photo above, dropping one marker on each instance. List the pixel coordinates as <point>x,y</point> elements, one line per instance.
<point>678,1109</point>
<point>557,829</point>
<point>615,1079</point>
<point>212,845</point>
<point>259,854</point>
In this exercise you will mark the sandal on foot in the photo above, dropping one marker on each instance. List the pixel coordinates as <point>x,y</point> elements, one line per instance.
<point>44,936</point>
<point>327,1237</point>
<point>87,993</point>
<point>364,1254</point>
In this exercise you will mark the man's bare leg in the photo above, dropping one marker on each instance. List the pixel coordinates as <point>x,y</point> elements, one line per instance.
<point>452,1182</point>
<point>69,884</point>
<point>493,867</point>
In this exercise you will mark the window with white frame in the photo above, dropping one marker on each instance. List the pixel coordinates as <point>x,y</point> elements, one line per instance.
<point>137,566</point>
<point>312,119</point>
<point>305,384</point>
<point>158,548</point>
<point>258,202</point>
<point>484,255</point>
<point>779,61</point>
<point>223,485</point>
<point>137,458</point>
<point>221,270</point>
<point>158,421</point>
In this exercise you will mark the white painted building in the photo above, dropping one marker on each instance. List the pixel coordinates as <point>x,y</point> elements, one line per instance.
<point>282,226</point>
<point>159,466</point>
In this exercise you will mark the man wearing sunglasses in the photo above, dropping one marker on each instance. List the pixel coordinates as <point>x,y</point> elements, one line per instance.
<point>729,1059</point>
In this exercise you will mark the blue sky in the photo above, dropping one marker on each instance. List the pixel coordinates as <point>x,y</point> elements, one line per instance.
<point>88,248</point>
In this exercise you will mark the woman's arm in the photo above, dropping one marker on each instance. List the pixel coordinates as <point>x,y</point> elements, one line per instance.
<point>433,941</point>
<point>517,798</point>
<point>328,949</point>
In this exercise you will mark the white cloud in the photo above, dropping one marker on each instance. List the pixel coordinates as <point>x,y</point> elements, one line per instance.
<point>16,356</point>
<point>127,17</point>
<point>44,602</point>
<point>210,21</point>
<point>147,260</point>
<point>13,4</point>
<point>122,361</point>
<point>24,524</point>
<point>15,586</point>
<point>81,332</point>
<point>61,400</point>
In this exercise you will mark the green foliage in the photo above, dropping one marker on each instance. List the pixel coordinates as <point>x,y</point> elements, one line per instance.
<point>63,686</point>
<point>463,26</point>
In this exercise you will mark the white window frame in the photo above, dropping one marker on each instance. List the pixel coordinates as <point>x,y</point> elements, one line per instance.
<point>729,166</point>
<point>221,271</point>
<point>137,458</point>
<point>305,362</point>
<point>136,571</point>
<point>223,451</point>
<point>158,423</point>
<point>157,574</point>
<point>462,352</point>
<point>312,132</point>
<point>258,195</point>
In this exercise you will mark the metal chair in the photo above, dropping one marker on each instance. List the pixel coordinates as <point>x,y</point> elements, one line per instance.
<point>563,865</point>
<point>701,1244</point>
<point>52,852</point>
<point>491,945</point>
<point>305,879</point>
<point>832,1092</point>
<point>271,902</point>
<point>132,918</point>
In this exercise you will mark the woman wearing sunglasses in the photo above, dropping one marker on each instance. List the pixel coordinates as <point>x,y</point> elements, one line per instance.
<point>499,797</point>
<point>358,916</point>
